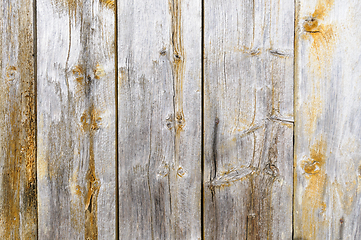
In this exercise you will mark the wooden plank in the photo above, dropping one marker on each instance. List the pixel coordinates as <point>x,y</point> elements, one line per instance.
<point>18,206</point>
<point>248,110</point>
<point>328,129</point>
<point>76,112</point>
<point>159,119</point>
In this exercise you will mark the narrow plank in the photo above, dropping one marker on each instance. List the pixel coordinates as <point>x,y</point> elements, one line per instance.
<point>159,119</point>
<point>18,205</point>
<point>248,110</point>
<point>76,119</point>
<point>328,111</point>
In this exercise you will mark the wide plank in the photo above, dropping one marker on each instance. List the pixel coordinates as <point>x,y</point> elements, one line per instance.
<point>18,196</point>
<point>328,127</point>
<point>248,119</point>
<point>76,119</point>
<point>159,111</point>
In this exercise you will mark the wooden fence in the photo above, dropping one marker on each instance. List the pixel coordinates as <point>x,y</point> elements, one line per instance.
<point>180,119</point>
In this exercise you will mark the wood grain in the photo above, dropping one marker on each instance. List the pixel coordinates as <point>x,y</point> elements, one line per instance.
<point>248,125</point>
<point>76,119</point>
<point>159,119</point>
<point>18,205</point>
<point>327,134</point>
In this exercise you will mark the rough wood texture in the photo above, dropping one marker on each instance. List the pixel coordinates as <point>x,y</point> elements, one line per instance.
<point>248,110</point>
<point>159,119</point>
<point>328,111</point>
<point>18,206</point>
<point>76,119</point>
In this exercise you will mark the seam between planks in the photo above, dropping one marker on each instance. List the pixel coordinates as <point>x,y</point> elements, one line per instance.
<point>116,124</point>
<point>202,119</point>
<point>35,56</point>
<point>295,16</point>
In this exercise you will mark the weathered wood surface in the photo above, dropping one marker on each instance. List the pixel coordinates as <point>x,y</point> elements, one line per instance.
<point>159,119</point>
<point>328,111</point>
<point>76,119</point>
<point>58,139</point>
<point>248,110</point>
<point>18,206</point>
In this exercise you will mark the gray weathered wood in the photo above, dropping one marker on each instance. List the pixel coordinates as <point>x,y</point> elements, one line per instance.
<point>328,127</point>
<point>159,119</point>
<point>248,110</point>
<point>18,206</point>
<point>76,119</point>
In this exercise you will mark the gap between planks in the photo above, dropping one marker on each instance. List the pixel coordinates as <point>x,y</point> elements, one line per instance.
<point>116,124</point>
<point>202,119</point>
<point>35,56</point>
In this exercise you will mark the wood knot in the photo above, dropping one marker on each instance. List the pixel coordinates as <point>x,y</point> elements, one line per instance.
<point>78,72</point>
<point>99,72</point>
<point>180,121</point>
<point>255,52</point>
<point>95,185</point>
<point>11,73</point>
<point>311,25</point>
<point>312,167</point>
<point>169,122</point>
<point>181,172</point>
<point>163,52</point>
<point>90,120</point>
<point>271,170</point>
<point>163,170</point>
<point>177,57</point>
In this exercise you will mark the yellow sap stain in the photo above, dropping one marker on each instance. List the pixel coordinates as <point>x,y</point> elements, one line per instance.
<point>11,73</point>
<point>323,36</point>
<point>313,109</point>
<point>313,205</point>
<point>99,71</point>
<point>178,54</point>
<point>42,163</point>
<point>91,197</point>
<point>322,8</point>
<point>122,77</point>
<point>78,72</point>
<point>69,6</point>
<point>90,120</point>
<point>108,4</point>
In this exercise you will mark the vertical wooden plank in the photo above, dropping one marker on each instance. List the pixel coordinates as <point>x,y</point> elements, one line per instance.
<point>328,111</point>
<point>18,205</point>
<point>159,119</point>
<point>248,110</point>
<point>76,112</point>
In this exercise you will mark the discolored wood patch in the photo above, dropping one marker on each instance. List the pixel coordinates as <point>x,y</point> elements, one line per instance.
<point>18,204</point>
<point>313,200</point>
